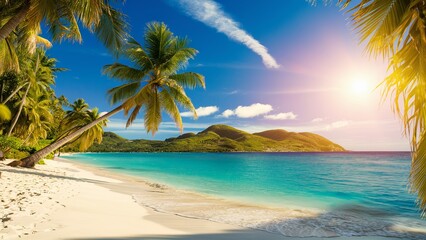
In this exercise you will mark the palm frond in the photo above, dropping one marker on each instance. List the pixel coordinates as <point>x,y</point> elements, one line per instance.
<point>179,95</point>
<point>133,116</point>
<point>189,79</point>
<point>123,92</point>
<point>123,72</point>
<point>158,38</point>
<point>378,22</point>
<point>178,56</point>
<point>111,29</point>
<point>152,118</point>
<point>8,56</point>
<point>169,105</point>
<point>137,55</point>
<point>418,173</point>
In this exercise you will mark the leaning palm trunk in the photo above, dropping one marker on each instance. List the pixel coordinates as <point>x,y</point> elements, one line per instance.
<point>18,114</point>
<point>31,160</point>
<point>12,94</point>
<point>7,28</point>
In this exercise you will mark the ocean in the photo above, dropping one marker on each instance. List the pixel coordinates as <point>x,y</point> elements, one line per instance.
<point>341,194</point>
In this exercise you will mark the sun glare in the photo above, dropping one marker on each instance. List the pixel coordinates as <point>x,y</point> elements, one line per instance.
<point>360,87</point>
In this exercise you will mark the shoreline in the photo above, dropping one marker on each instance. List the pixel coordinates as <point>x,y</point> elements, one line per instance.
<point>97,208</point>
<point>169,224</point>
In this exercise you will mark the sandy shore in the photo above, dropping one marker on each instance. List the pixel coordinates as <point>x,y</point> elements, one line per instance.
<point>62,200</point>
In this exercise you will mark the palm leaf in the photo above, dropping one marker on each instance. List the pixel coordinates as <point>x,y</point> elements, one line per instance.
<point>169,105</point>
<point>189,79</point>
<point>135,53</point>
<point>8,56</point>
<point>418,173</point>
<point>152,118</point>
<point>123,72</point>
<point>179,95</point>
<point>5,113</point>
<point>123,92</point>
<point>111,29</point>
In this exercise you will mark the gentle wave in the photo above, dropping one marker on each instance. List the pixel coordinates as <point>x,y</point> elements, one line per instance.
<point>344,221</point>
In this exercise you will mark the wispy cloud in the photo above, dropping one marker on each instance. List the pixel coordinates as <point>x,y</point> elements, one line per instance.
<point>282,116</point>
<point>232,92</point>
<point>210,13</point>
<point>201,111</point>
<point>315,120</point>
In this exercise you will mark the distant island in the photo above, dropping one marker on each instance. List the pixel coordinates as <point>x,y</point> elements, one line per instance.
<point>221,138</point>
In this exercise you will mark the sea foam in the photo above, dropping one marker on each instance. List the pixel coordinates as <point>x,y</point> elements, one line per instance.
<point>351,220</point>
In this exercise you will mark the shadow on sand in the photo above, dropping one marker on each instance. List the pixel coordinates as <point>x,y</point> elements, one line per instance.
<point>47,174</point>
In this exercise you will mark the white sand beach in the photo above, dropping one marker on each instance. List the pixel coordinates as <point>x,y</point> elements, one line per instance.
<point>61,200</point>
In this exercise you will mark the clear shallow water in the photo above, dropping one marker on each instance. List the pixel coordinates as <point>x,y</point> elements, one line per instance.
<point>373,183</point>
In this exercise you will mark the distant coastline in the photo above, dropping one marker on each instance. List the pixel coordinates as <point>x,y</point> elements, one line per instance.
<point>220,138</point>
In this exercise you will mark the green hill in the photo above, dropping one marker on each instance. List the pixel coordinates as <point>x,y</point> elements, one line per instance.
<point>309,139</point>
<point>222,138</point>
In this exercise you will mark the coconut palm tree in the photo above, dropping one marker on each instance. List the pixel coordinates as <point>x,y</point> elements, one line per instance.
<point>153,83</point>
<point>36,118</point>
<point>87,138</point>
<point>38,75</point>
<point>79,116</point>
<point>23,17</point>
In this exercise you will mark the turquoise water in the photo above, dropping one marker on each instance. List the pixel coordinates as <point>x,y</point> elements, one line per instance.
<point>311,180</point>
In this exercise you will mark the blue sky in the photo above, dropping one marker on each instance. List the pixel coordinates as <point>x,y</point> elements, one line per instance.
<point>324,82</point>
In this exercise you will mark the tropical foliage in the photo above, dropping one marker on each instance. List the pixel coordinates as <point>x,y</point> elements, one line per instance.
<point>79,116</point>
<point>20,25</point>
<point>153,84</point>
<point>4,112</point>
<point>153,81</point>
<point>36,114</point>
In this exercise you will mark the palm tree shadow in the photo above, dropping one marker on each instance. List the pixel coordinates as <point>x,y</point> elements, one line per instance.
<point>340,223</point>
<point>47,174</point>
<point>227,235</point>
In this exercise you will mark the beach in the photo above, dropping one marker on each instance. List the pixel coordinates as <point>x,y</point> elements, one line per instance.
<point>64,200</point>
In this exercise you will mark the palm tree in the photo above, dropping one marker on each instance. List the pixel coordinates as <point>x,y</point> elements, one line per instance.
<point>38,74</point>
<point>153,83</point>
<point>87,138</point>
<point>79,116</point>
<point>36,118</point>
<point>63,17</point>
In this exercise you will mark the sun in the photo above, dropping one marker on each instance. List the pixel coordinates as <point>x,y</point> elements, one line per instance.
<point>360,87</point>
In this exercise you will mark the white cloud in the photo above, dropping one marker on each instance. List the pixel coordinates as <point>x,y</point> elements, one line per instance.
<point>227,113</point>
<point>210,13</point>
<point>201,111</point>
<point>337,124</point>
<point>315,120</point>
<point>232,92</point>
<point>282,116</point>
<point>252,110</point>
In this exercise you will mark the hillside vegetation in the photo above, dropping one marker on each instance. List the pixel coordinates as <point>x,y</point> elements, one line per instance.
<point>222,138</point>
